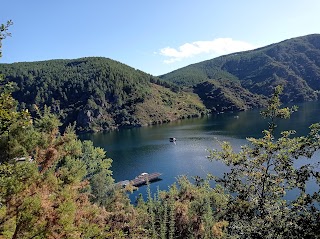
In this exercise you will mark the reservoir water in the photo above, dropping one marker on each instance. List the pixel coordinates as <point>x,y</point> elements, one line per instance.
<point>148,149</point>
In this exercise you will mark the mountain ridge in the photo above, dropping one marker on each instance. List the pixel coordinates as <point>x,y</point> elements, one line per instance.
<point>99,93</point>
<point>294,63</point>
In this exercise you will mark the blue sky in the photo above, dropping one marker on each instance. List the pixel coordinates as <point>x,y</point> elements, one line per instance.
<point>154,36</point>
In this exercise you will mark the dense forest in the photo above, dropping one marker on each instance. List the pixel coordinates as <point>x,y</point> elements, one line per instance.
<point>102,94</point>
<point>293,63</point>
<point>52,185</point>
<point>99,93</point>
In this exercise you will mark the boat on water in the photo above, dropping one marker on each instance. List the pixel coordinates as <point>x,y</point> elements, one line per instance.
<point>172,139</point>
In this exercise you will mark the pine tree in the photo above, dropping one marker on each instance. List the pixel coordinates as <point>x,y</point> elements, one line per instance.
<point>263,172</point>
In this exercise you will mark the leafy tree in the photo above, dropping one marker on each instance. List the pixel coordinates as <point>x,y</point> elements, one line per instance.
<point>67,190</point>
<point>51,196</point>
<point>261,175</point>
<point>10,118</point>
<point>59,192</point>
<point>98,172</point>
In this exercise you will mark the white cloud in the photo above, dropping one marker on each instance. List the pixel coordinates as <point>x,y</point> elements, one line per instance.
<point>219,46</point>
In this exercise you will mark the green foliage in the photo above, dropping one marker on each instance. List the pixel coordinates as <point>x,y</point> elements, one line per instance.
<point>12,122</point>
<point>46,195</point>
<point>59,193</point>
<point>273,110</point>
<point>167,106</point>
<point>64,188</point>
<point>98,172</point>
<point>261,175</point>
<point>225,95</point>
<point>97,93</point>
<point>185,211</point>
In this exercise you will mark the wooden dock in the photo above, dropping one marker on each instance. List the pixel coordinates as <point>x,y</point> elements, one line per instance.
<point>145,178</point>
<point>140,180</point>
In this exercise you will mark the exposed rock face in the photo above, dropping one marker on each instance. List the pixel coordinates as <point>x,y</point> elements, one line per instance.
<point>85,117</point>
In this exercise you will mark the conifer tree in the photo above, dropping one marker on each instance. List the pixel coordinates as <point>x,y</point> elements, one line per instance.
<point>48,196</point>
<point>261,175</point>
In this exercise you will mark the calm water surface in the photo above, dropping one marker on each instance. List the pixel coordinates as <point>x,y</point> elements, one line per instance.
<point>148,149</point>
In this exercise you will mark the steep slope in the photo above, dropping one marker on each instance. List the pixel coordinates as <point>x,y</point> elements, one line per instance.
<point>98,93</point>
<point>294,63</point>
<point>227,95</point>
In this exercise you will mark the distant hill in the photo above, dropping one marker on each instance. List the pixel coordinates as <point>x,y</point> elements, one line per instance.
<point>293,63</point>
<point>99,93</point>
<point>102,94</point>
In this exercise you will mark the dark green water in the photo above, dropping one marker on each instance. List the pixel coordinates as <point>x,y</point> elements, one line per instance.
<point>148,149</point>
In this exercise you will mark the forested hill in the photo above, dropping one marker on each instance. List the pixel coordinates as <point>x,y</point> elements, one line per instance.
<point>294,63</point>
<point>102,94</point>
<point>99,93</point>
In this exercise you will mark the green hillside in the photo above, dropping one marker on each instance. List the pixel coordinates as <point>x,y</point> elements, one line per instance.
<point>227,95</point>
<point>102,94</point>
<point>294,63</point>
<point>99,93</point>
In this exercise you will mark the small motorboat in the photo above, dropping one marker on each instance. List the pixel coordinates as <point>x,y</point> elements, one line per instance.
<point>172,139</point>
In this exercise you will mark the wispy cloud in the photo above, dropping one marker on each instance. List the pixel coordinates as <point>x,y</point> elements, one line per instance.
<point>219,46</point>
